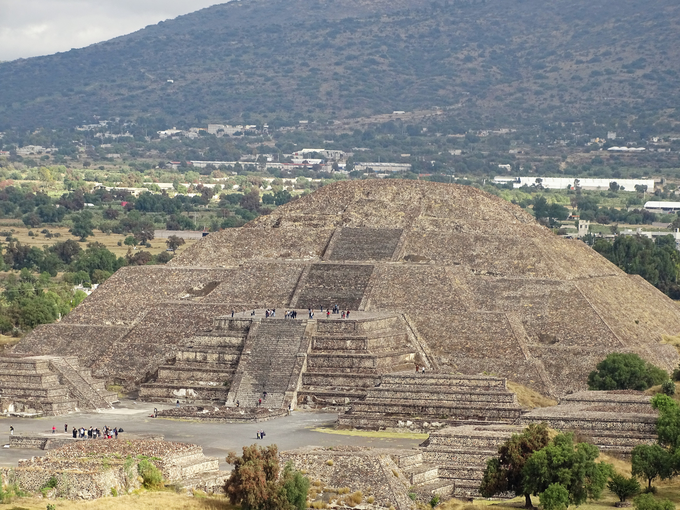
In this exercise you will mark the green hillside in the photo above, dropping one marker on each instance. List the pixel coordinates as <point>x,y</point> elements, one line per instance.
<point>280,61</point>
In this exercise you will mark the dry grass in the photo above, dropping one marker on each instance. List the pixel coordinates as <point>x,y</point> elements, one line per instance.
<point>372,433</point>
<point>8,341</point>
<point>671,340</point>
<point>110,241</point>
<point>529,398</point>
<point>655,390</point>
<point>143,501</point>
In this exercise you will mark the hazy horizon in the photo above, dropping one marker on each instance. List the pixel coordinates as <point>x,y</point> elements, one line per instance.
<point>30,28</point>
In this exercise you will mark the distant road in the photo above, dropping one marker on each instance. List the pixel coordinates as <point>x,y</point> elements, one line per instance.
<point>184,234</point>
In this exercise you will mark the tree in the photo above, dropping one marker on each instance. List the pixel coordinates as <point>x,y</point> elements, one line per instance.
<point>572,466</point>
<point>82,225</point>
<point>282,197</point>
<point>555,497</point>
<point>67,251</point>
<point>505,472</point>
<point>174,242</point>
<point>140,258</point>
<point>255,483</point>
<point>619,371</point>
<point>668,423</point>
<point>651,462</point>
<point>251,200</point>
<point>97,256</point>
<point>623,487</point>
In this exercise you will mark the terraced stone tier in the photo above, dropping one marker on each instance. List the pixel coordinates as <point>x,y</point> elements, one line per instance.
<point>614,421</point>
<point>50,385</point>
<point>349,355</point>
<point>204,366</point>
<point>460,453</point>
<point>431,401</point>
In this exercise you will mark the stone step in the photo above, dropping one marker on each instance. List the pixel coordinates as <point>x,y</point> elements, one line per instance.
<point>418,393</point>
<point>358,361</point>
<point>408,460</point>
<point>438,410</point>
<point>376,421</point>
<point>439,487</point>
<point>422,474</point>
<point>171,373</point>
<point>206,356</point>
<point>441,381</point>
<point>466,489</point>
<point>24,391</point>
<point>331,379</point>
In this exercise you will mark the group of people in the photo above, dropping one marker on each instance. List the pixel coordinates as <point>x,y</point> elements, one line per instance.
<point>292,314</point>
<point>93,433</point>
<point>261,434</point>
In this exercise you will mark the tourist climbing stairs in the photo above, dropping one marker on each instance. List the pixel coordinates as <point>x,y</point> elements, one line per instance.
<point>82,389</point>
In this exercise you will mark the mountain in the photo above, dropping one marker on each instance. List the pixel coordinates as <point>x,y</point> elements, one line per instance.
<point>284,60</point>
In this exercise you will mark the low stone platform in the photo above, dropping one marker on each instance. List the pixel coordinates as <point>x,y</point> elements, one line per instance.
<point>223,414</point>
<point>373,471</point>
<point>49,386</point>
<point>615,421</point>
<point>93,469</point>
<point>460,453</point>
<point>432,400</point>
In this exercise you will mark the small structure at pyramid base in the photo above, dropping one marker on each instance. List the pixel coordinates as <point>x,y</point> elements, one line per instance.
<point>95,468</point>
<point>49,386</point>
<point>614,421</point>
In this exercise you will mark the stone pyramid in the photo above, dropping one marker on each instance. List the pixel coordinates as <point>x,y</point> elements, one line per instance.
<point>484,287</point>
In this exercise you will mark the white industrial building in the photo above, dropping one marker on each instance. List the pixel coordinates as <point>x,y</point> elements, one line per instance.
<point>666,207</point>
<point>571,182</point>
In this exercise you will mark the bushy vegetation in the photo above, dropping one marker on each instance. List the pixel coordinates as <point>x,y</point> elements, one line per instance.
<point>657,261</point>
<point>619,371</point>
<point>557,470</point>
<point>255,482</point>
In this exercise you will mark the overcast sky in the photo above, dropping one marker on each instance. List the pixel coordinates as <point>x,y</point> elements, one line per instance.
<point>40,27</point>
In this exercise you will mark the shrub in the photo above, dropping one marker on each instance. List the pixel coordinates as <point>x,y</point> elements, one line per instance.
<point>555,497</point>
<point>434,501</point>
<point>52,482</point>
<point>114,492</point>
<point>152,478</point>
<point>668,388</point>
<point>623,487</point>
<point>675,376</point>
<point>649,502</point>
<point>329,462</point>
<point>620,371</point>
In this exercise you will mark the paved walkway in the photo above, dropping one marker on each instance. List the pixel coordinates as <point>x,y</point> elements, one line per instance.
<point>217,439</point>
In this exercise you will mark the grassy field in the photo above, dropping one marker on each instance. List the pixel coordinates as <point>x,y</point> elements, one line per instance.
<point>142,501</point>
<point>110,241</point>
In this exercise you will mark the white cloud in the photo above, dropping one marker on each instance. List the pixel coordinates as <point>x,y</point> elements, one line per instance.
<point>40,27</point>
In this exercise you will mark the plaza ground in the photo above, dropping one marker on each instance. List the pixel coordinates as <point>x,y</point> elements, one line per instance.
<point>299,429</point>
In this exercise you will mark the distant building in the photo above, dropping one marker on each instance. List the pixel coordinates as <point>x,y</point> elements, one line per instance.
<point>583,183</point>
<point>665,207</point>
